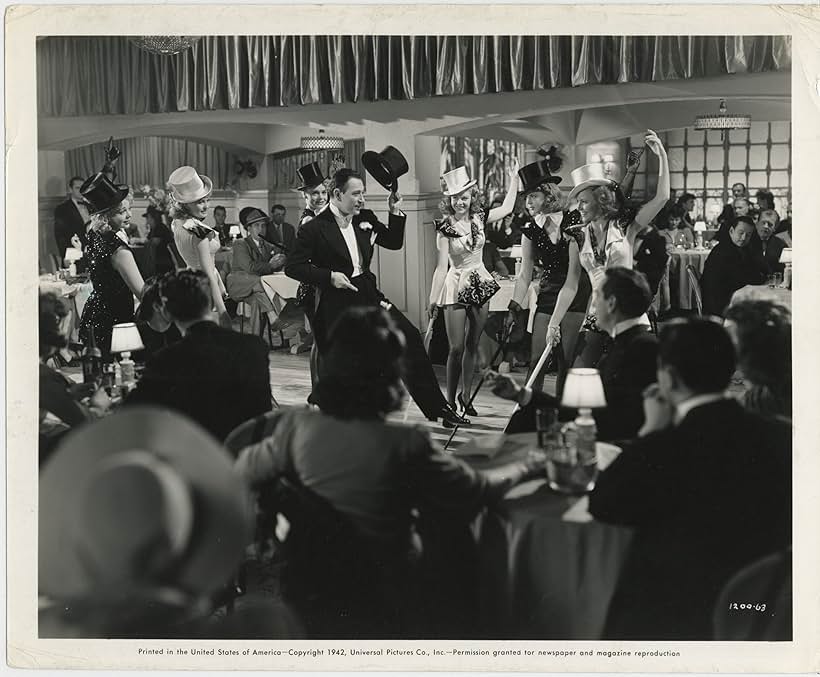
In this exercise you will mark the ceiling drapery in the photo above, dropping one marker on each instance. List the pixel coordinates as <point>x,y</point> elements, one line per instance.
<point>109,75</point>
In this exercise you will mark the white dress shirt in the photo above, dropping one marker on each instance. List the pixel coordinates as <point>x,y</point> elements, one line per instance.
<point>345,224</point>
<point>83,209</point>
<point>626,325</point>
<point>683,408</point>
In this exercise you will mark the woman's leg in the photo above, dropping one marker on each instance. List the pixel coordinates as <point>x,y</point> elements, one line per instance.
<point>455,320</point>
<point>539,342</point>
<point>570,332</point>
<point>476,319</point>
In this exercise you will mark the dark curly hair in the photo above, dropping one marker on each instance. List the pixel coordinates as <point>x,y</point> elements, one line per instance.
<point>152,294</point>
<point>187,294</point>
<point>763,333</point>
<point>52,311</point>
<point>360,375</point>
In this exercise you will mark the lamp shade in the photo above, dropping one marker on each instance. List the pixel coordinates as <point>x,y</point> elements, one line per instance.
<point>700,226</point>
<point>516,252</point>
<point>73,254</point>
<point>234,231</point>
<point>125,338</point>
<point>786,255</point>
<point>583,390</point>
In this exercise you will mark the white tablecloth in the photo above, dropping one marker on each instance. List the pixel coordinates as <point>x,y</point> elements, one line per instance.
<point>78,294</point>
<point>762,292</point>
<point>680,288</point>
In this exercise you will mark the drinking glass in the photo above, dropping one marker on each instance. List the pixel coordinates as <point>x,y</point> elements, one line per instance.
<point>567,473</point>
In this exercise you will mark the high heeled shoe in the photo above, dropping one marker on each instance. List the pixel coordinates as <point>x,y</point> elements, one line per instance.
<point>468,411</point>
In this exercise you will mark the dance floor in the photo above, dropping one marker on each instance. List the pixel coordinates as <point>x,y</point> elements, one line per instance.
<point>290,383</point>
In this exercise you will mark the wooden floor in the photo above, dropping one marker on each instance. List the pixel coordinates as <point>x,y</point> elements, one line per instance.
<point>290,383</point>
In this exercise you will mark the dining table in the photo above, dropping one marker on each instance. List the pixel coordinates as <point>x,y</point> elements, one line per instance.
<point>547,568</point>
<point>76,291</point>
<point>763,292</point>
<point>680,287</point>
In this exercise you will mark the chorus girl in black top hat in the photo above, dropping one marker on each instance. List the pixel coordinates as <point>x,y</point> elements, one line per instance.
<point>564,288</point>
<point>114,272</point>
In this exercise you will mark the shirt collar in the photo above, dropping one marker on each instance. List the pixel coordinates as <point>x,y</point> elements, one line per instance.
<point>613,235</point>
<point>342,220</point>
<point>626,325</point>
<point>555,217</point>
<point>683,408</point>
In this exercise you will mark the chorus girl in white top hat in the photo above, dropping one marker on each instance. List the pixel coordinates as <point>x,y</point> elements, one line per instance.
<point>464,290</point>
<point>197,242</point>
<point>606,241</point>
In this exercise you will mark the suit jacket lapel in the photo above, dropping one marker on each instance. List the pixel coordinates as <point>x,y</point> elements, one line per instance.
<point>333,235</point>
<point>365,250</point>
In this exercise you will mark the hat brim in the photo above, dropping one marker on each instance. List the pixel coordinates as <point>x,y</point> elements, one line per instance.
<point>460,189</point>
<point>307,189</point>
<point>187,198</point>
<point>121,194</point>
<point>223,522</point>
<point>550,179</point>
<point>589,183</point>
<point>376,166</point>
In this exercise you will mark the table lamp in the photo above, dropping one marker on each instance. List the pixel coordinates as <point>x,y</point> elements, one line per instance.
<point>72,255</point>
<point>786,260</point>
<point>234,232</point>
<point>700,229</point>
<point>516,252</point>
<point>125,338</point>
<point>584,391</point>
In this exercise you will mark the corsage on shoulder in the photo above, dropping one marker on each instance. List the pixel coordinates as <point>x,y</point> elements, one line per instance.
<point>446,228</point>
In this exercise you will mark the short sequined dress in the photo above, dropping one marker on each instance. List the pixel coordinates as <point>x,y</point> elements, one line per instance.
<point>111,302</point>
<point>467,282</point>
<point>553,257</point>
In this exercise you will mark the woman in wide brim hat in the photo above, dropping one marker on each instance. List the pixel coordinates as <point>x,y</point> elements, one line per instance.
<point>111,265</point>
<point>461,284</point>
<point>563,288</point>
<point>604,240</point>
<point>196,241</point>
<point>138,511</point>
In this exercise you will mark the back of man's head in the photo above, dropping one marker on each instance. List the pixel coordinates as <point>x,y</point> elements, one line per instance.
<point>630,289</point>
<point>701,353</point>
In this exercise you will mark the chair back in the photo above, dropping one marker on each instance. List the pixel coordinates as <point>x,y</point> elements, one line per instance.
<point>694,282</point>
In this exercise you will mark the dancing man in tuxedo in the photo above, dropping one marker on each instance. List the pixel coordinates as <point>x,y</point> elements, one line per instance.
<point>333,253</point>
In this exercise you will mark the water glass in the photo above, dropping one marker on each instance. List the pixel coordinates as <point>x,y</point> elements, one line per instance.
<point>567,473</point>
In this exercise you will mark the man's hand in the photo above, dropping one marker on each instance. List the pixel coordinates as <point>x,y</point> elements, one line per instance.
<point>277,261</point>
<point>503,386</point>
<point>393,202</point>
<point>634,158</point>
<point>341,281</point>
<point>100,400</point>
<point>658,412</point>
<point>509,320</point>
<point>75,242</point>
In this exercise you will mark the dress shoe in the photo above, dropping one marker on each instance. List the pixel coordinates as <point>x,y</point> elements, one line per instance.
<point>469,411</point>
<point>450,419</point>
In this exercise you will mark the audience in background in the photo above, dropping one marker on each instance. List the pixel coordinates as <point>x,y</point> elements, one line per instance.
<point>216,376</point>
<point>626,369</point>
<point>71,219</point>
<point>730,266</point>
<point>762,334</point>
<point>707,487</point>
<point>377,475</point>
<point>679,233</point>
<point>687,204</point>
<point>728,214</point>
<point>764,199</point>
<point>253,257</point>
<point>222,229</point>
<point>279,232</point>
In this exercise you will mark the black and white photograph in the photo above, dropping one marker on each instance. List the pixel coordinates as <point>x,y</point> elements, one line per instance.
<point>461,341</point>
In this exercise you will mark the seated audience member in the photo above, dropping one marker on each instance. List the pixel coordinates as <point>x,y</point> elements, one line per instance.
<point>687,204</point>
<point>770,247</point>
<point>679,233</point>
<point>253,257</point>
<point>216,376</point>
<point>785,233</point>
<point>764,200</point>
<point>785,224</point>
<point>728,214</point>
<point>155,325</point>
<point>61,407</point>
<point>762,334</point>
<point>707,487</point>
<point>278,231</point>
<point>222,229</point>
<point>142,523</point>
<point>626,370</point>
<point>740,207</point>
<point>376,476</point>
<point>730,266</point>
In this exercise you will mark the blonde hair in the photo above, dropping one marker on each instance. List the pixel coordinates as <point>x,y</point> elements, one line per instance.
<point>476,203</point>
<point>607,201</point>
<point>100,222</point>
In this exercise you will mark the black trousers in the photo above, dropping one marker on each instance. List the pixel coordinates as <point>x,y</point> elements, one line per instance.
<point>419,376</point>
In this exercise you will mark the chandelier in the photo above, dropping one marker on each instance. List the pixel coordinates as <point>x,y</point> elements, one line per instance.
<point>322,142</point>
<point>165,44</point>
<point>723,120</point>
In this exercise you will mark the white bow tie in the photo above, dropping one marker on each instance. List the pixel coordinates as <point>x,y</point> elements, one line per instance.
<point>540,220</point>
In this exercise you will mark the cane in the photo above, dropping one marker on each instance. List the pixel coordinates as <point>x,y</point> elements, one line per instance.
<point>505,337</point>
<point>538,366</point>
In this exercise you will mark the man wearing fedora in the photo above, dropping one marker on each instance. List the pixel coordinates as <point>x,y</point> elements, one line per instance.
<point>333,253</point>
<point>253,256</point>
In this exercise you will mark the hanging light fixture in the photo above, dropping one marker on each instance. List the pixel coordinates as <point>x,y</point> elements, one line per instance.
<point>723,121</point>
<point>165,44</point>
<point>322,142</point>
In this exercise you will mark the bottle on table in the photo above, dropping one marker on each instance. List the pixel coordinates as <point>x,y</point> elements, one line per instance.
<point>91,360</point>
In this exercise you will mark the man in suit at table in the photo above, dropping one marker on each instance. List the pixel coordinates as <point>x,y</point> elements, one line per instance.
<point>71,218</point>
<point>279,232</point>
<point>707,487</point>
<point>626,369</point>
<point>333,251</point>
<point>218,377</point>
<point>253,256</point>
